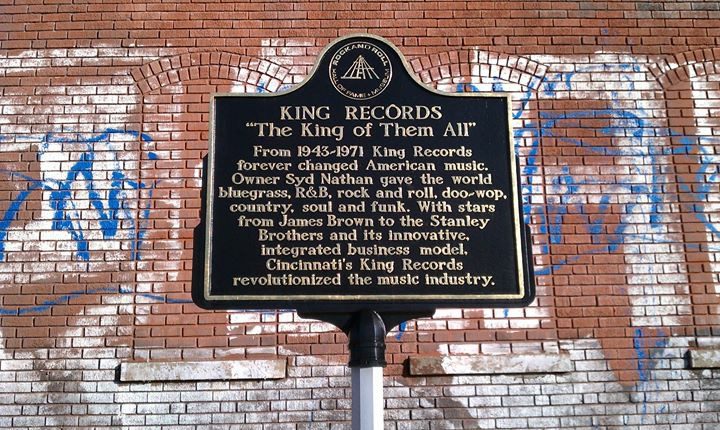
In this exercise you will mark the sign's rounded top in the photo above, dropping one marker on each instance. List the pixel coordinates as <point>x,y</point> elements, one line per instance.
<point>360,70</point>
<point>360,67</point>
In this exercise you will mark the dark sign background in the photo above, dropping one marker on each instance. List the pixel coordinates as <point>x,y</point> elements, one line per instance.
<point>235,251</point>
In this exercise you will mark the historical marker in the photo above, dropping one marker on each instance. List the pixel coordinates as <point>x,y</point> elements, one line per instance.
<point>363,189</point>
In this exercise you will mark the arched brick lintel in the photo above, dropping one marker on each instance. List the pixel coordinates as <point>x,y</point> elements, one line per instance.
<point>686,65</point>
<point>470,62</point>
<point>209,65</point>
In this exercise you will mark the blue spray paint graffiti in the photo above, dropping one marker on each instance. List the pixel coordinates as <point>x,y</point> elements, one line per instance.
<point>111,207</point>
<point>647,359</point>
<point>706,177</point>
<point>637,139</point>
<point>402,328</point>
<point>108,201</point>
<point>630,126</point>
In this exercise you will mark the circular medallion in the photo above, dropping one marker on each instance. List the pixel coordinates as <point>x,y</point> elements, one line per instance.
<point>360,70</point>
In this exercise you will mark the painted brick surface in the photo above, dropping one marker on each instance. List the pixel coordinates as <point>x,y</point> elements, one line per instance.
<point>103,130</point>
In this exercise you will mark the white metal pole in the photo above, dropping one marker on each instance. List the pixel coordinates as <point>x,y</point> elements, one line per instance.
<point>367,398</point>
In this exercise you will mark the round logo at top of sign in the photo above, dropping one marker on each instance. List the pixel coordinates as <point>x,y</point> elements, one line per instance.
<point>360,70</point>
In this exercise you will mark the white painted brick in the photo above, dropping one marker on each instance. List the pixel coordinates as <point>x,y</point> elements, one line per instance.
<point>472,380</point>
<point>132,397</point>
<point>178,408</point>
<point>526,412</point>
<point>425,414</point>
<point>61,421</point>
<point>15,387</point>
<point>614,397</point>
<point>96,420</point>
<point>311,382</point>
<point>28,421</point>
<point>298,394</point>
<point>30,410</point>
<point>233,396</point>
<point>110,387</point>
<point>165,396</point>
<point>480,402</point>
<point>195,419</point>
<point>542,400</point>
<point>108,364</point>
<point>10,410</point>
<point>299,372</point>
<point>254,407</point>
<point>24,398</point>
<point>63,398</point>
<point>590,365</point>
<point>593,410</point>
<point>506,379</point>
<point>198,396</point>
<point>567,422</point>
<point>9,365</point>
<point>527,389</point>
<point>459,391</point>
<point>213,385</point>
<point>594,387</point>
<point>166,419</point>
<point>99,375</point>
<point>128,409</point>
<point>683,385</point>
<point>543,423</point>
<point>198,408</point>
<point>296,417</point>
<point>268,417</point>
<point>557,411</point>
<point>514,401</point>
<point>493,412</point>
<point>492,390</point>
<point>407,403</point>
<point>334,393</point>
<point>153,408</point>
<point>79,409</point>
<point>503,423</point>
<point>620,410</point>
<point>396,414</point>
<point>557,389</point>
<point>97,398</point>
<point>601,377</point>
<point>224,418</point>
<point>103,409</point>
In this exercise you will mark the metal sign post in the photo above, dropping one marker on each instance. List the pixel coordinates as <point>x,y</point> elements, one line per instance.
<point>367,398</point>
<point>366,331</point>
<point>367,360</point>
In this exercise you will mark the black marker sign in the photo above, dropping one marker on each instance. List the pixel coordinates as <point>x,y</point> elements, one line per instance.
<point>362,188</point>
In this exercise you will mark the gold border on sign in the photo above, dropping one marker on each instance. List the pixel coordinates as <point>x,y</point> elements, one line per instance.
<point>514,188</point>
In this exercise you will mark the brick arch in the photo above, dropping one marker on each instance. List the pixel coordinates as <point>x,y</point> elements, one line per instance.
<point>686,65</point>
<point>209,65</point>
<point>694,135</point>
<point>461,71</point>
<point>469,63</point>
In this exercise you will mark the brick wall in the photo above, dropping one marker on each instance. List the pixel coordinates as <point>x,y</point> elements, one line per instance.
<point>103,128</point>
